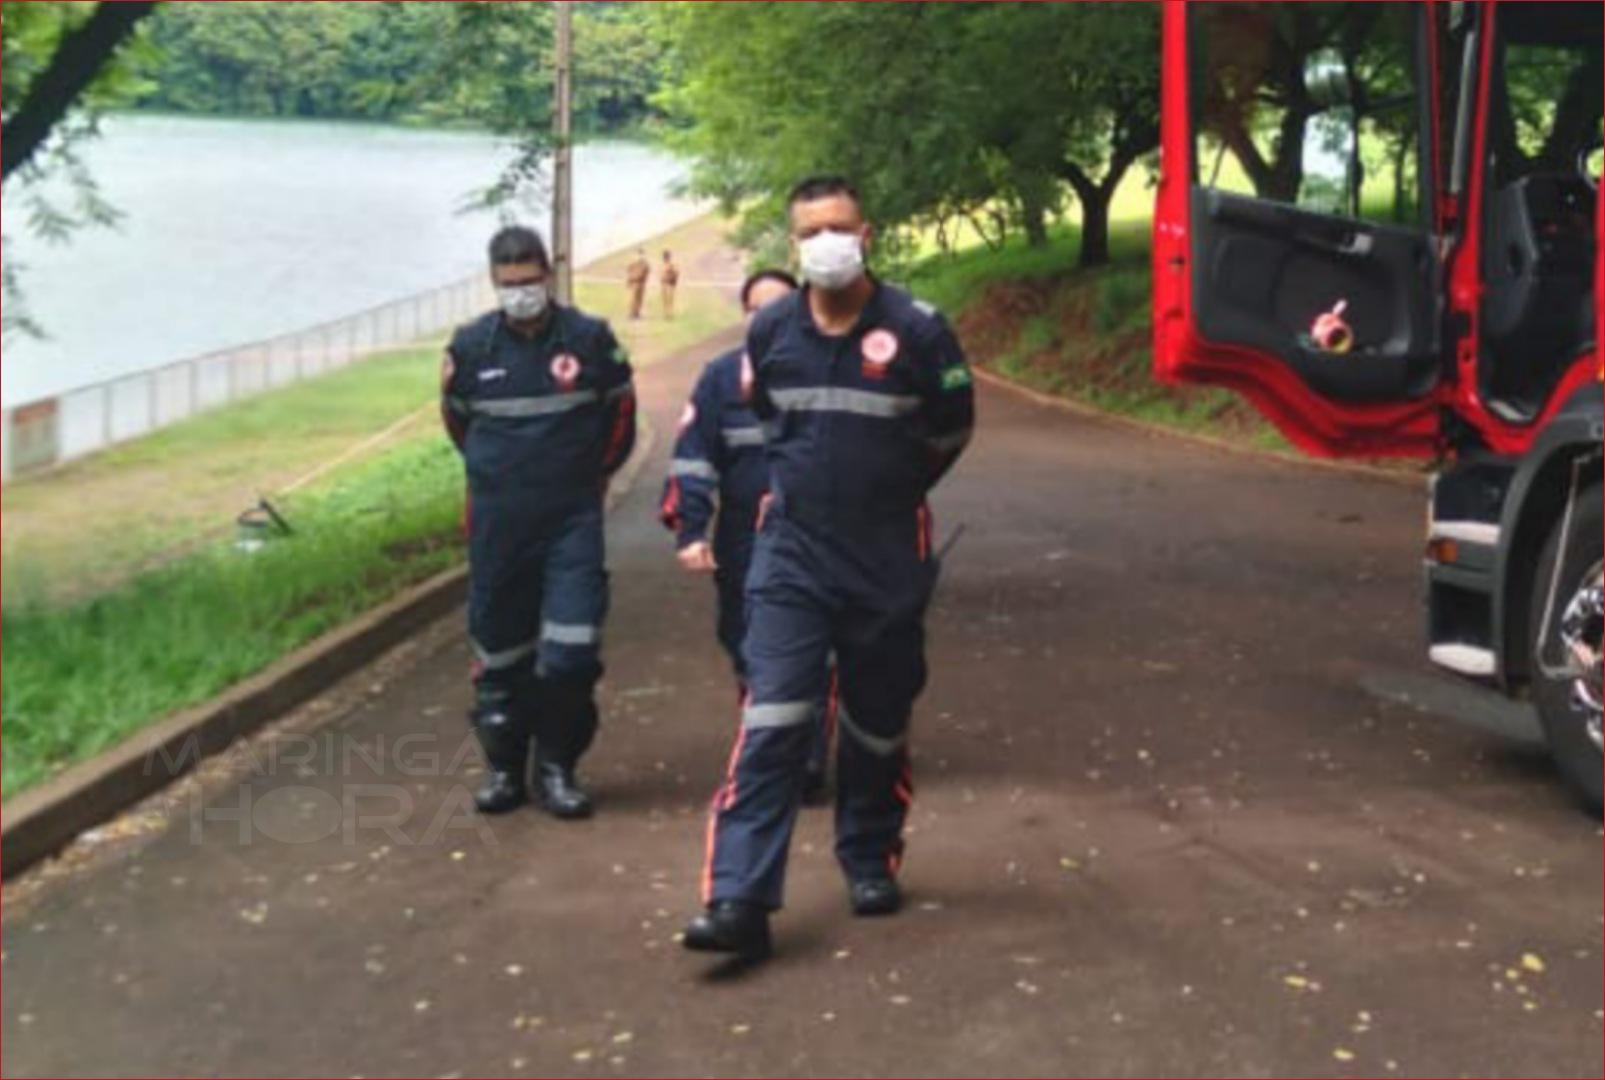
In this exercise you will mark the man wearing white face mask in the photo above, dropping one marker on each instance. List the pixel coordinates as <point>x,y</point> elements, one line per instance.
<point>539,400</point>
<point>866,401</point>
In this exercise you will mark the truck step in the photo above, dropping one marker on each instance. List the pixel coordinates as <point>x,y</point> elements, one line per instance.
<point>1463,659</point>
<point>1485,533</point>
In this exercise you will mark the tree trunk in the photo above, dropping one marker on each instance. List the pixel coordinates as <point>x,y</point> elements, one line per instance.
<point>77,60</point>
<point>1035,219</point>
<point>1094,231</point>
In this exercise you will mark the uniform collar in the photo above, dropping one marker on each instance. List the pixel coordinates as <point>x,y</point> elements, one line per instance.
<point>866,318</point>
<point>544,336</point>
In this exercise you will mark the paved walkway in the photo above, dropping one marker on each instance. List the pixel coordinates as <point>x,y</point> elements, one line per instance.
<point>1161,828</point>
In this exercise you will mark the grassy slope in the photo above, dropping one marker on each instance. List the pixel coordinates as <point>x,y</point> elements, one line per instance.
<point>99,520</point>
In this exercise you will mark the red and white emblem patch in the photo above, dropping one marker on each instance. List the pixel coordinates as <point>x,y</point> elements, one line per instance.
<point>566,371</point>
<point>879,349</point>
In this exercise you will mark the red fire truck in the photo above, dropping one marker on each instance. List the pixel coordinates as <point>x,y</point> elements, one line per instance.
<point>1379,223</point>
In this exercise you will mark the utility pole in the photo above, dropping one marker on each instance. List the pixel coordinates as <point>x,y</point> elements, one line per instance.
<point>563,159</point>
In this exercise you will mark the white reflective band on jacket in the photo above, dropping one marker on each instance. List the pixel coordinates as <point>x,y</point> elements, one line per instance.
<point>843,400</point>
<point>947,444</point>
<point>534,406</point>
<point>700,470</point>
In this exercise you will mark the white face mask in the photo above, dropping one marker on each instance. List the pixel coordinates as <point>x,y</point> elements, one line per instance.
<point>831,260</point>
<point>523,302</point>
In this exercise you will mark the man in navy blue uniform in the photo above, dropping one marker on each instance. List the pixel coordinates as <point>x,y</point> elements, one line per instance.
<point>539,399</point>
<point>866,401</point>
<point>717,479</point>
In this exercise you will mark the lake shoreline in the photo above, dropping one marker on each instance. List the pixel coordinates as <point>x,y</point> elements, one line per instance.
<point>235,232</point>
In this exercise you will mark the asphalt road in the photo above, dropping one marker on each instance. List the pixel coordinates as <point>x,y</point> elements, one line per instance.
<point>1177,813</point>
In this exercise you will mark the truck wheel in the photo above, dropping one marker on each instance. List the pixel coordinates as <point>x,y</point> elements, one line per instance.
<point>1567,677</point>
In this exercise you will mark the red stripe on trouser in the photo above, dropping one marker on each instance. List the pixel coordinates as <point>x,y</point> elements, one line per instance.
<point>723,799</point>
<point>904,790</point>
<point>923,541</point>
<point>833,705</point>
<point>669,511</point>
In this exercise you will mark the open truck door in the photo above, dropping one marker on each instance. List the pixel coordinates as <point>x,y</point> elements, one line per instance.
<point>1295,234</point>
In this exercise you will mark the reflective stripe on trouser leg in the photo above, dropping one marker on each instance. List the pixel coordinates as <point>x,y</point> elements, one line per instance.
<point>504,604</point>
<point>572,614</point>
<point>753,815</point>
<point>881,663</point>
<point>874,791</point>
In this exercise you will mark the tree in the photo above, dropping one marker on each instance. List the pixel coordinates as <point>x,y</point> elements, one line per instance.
<point>62,65</point>
<point>976,111</point>
<point>81,53</point>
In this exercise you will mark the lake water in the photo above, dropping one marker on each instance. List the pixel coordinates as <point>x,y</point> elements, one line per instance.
<point>236,230</point>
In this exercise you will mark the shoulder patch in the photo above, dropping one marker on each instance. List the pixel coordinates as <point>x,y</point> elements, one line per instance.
<point>926,308</point>
<point>956,377</point>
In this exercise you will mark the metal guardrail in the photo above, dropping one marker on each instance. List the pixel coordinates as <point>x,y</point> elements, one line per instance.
<point>42,434</point>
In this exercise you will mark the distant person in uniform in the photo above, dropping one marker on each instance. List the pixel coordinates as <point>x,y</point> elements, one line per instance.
<point>669,276</point>
<point>713,496</point>
<point>636,276</point>
<point>539,400</point>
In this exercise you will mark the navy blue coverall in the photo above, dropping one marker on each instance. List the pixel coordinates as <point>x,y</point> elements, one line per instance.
<point>718,477</point>
<point>858,429</point>
<point>542,422</point>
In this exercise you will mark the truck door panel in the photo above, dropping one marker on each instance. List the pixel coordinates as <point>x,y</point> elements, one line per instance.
<point>1263,272</point>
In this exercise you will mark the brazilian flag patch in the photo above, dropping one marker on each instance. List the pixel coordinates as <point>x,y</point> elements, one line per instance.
<point>956,377</point>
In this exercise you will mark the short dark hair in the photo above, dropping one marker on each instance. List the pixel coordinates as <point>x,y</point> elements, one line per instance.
<point>518,244</point>
<point>823,187</point>
<point>757,278</point>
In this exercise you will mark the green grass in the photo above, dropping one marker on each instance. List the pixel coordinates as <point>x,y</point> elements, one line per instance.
<point>80,679</point>
<point>98,521</point>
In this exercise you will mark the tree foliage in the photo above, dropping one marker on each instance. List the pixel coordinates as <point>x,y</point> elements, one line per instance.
<point>995,114</point>
<point>63,64</point>
<point>482,64</point>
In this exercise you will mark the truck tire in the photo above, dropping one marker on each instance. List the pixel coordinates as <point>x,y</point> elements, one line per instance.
<point>1568,705</point>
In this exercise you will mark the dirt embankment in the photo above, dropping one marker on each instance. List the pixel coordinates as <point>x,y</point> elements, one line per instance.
<point>1086,335</point>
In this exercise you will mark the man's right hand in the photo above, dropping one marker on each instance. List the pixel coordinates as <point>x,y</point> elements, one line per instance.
<point>697,558</point>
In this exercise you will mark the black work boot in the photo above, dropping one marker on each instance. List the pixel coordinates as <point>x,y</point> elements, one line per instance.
<point>875,896</point>
<point>731,926</point>
<point>560,793</point>
<point>505,743</point>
